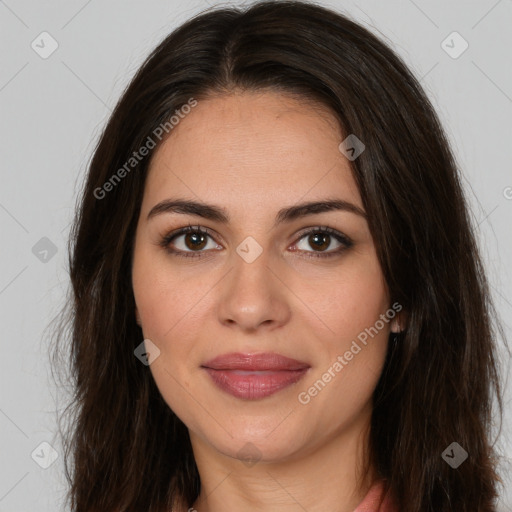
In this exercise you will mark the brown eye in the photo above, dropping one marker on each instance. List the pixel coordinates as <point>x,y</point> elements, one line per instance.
<point>195,240</point>
<point>319,241</point>
<point>188,242</point>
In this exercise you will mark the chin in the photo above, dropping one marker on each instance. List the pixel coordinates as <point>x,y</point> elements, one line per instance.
<point>260,442</point>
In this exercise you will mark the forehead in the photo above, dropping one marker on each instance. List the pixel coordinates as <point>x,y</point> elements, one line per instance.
<point>265,145</point>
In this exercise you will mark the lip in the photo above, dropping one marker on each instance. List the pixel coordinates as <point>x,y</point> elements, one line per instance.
<point>254,362</point>
<point>254,376</point>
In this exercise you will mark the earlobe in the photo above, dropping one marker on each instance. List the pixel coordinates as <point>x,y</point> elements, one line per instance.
<point>399,323</point>
<point>137,317</point>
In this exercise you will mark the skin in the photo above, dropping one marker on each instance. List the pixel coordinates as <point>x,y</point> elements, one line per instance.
<point>251,154</point>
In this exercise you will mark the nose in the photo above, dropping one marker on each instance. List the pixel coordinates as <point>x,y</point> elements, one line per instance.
<point>253,296</point>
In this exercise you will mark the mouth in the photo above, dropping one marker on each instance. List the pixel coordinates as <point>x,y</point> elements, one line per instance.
<point>254,376</point>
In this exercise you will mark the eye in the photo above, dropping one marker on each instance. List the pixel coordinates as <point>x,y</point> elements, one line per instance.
<point>320,239</point>
<point>195,238</point>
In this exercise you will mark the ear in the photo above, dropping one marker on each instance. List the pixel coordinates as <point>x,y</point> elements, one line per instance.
<point>399,323</point>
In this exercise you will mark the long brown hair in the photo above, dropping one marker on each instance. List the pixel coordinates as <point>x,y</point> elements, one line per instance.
<point>125,448</point>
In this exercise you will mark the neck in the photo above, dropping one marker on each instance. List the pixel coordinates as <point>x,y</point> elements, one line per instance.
<point>325,477</point>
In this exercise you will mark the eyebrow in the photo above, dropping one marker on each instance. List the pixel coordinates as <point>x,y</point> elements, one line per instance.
<point>288,214</point>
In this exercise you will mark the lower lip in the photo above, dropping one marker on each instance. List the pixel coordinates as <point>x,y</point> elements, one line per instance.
<point>252,385</point>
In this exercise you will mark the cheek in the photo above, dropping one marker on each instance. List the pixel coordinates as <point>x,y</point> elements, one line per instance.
<point>167,300</point>
<point>354,343</point>
<point>343,384</point>
<point>346,301</point>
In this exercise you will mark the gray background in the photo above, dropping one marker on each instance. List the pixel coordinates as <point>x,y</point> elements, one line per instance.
<point>52,111</point>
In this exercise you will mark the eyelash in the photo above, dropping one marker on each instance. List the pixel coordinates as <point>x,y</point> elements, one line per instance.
<point>343,239</point>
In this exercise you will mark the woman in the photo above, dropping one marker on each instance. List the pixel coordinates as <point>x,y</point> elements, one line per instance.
<point>278,300</point>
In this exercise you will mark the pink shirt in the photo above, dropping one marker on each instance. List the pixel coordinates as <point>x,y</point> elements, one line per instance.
<point>373,499</point>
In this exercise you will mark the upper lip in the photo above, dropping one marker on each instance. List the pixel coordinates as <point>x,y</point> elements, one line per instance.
<point>255,362</point>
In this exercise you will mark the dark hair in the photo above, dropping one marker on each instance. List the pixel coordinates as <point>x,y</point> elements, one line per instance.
<point>129,451</point>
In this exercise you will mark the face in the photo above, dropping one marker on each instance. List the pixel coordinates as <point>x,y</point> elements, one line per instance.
<point>258,276</point>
